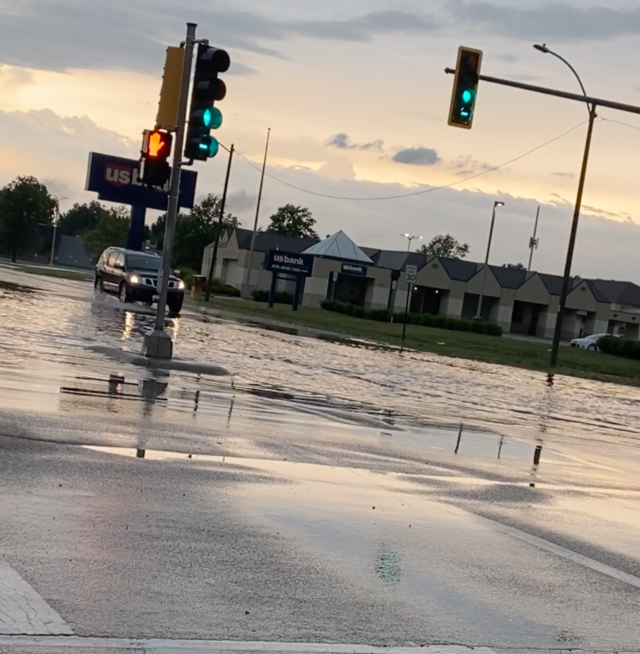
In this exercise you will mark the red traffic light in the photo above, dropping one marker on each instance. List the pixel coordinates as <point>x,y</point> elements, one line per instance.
<point>157,144</point>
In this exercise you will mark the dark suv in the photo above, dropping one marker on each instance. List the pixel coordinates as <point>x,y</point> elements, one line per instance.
<point>134,277</point>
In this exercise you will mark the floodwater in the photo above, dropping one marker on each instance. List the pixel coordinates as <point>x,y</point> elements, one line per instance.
<point>48,327</point>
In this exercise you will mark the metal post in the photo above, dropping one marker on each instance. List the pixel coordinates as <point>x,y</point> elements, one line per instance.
<point>247,272</point>
<point>55,233</point>
<point>486,262</point>
<point>534,243</point>
<point>223,204</point>
<point>406,312</point>
<point>158,344</point>
<point>557,336</point>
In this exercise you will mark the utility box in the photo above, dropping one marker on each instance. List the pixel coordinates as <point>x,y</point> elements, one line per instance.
<point>197,287</point>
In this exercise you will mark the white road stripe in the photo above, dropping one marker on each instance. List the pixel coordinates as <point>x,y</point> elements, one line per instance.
<point>565,553</point>
<point>23,611</point>
<point>167,646</point>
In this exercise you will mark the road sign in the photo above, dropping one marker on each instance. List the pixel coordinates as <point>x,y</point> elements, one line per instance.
<point>411,274</point>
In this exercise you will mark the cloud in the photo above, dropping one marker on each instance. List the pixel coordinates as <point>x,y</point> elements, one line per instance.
<point>466,166</point>
<point>416,157</point>
<point>341,141</point>
<point>557,21</point>
<point>124,35</point>
<point>562,175</point>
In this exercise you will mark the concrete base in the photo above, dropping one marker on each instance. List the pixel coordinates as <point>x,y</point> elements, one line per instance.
<point>158,345</point>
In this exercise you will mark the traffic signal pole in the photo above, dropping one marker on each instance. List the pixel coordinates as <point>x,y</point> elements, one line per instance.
<point>593,104</point>
<point>158,344</point>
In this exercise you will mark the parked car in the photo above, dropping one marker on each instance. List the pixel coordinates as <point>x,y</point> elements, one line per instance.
<point>588,342</point>
<point>133,276</point>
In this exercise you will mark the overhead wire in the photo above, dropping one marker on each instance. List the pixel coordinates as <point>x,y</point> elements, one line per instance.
<point>413,193</point>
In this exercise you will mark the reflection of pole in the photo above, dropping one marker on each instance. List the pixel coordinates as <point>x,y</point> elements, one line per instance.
<point>459,439</point>
<point>557,335</point>
<point>533,245</point>
<point>247,272</point>
<point>500,448</point>
<point>223,203</point>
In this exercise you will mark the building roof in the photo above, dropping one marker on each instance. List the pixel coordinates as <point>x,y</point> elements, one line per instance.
<point>510,277</point>
<point>459,270</point>
<point>614,292</point>
<point>339,246</point>
<point>266,241</point>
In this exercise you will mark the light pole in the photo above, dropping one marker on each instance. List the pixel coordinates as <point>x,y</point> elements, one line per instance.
<point>496,204</point>
<point>55,230</point>
<point>557,335</point>
<point>411,239</point>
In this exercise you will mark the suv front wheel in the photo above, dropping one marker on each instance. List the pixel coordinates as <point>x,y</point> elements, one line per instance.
<point>175,304</point>
<point>124,294</point>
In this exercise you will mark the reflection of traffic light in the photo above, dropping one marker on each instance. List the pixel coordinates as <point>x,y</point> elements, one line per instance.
<point>154,165</point>
<point>207,89</point>
<point>465,88</point>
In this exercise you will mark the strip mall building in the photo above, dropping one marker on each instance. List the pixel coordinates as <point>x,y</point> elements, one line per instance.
<point>520,302</point>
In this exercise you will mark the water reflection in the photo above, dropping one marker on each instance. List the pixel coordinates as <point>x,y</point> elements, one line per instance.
<point>388,564</point>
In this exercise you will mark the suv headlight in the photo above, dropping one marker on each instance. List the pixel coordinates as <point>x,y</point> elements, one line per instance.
<point>134,279</point>
<point>181,285</point>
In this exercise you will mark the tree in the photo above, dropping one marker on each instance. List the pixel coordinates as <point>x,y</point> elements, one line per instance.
<point>293,221</point>
<point>194,231</point>
<point>515,266</point>
<point>111,230</point>
<point>445,246</point>
<point>81,218</point>
<point>24,203</point>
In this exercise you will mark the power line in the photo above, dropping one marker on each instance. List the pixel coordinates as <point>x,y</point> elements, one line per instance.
<point>414,193</point>
<point>618,122</point>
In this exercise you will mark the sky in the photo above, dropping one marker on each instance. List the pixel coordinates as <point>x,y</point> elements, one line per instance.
<point>356,97</point>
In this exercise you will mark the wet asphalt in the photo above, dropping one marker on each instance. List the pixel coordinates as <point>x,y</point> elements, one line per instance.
<point>183,507</point>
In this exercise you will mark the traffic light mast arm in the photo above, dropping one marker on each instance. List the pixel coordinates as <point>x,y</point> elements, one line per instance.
<point>595,102</point>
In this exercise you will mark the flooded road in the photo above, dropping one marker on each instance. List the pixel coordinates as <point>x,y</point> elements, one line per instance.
<point>46,335</point>
<point>322,493</point>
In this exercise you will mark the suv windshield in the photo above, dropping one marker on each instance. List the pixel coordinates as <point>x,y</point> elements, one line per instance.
<point>143,262</point>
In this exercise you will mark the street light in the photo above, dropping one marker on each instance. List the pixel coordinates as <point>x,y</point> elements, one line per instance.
<point>557,335</point>
<point>496,204</point>
<point>411,239</point>
<point>55,229</point>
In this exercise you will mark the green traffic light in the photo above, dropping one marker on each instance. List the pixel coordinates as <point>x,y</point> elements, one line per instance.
<point>214,147</point>
<point>207,117</point>
<point>467,95</point>
<point>216,118</point>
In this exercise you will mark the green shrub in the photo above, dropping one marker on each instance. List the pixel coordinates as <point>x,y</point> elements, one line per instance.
<point>476,326</point>
<point>464,326</point>
<point>281,297</point>
<point>620,347</point>
<point>349,309</point>
<point>359,312</point>
<point>491,329</point>
<point>381,315</point>
<point>451,324</point>
<point>218,287</point>
<point>439,322</point>
<point>328,305</point>
<point>426,320</point>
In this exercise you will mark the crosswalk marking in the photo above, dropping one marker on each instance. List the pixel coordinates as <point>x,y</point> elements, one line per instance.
<point>23,611</point>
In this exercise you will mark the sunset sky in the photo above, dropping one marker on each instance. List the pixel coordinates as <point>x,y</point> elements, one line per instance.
<point>357,99</point>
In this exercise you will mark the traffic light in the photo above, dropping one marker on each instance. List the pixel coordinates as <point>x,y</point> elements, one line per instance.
<point>154,165</point>
<point>465,88</point>
<point>207,89</point>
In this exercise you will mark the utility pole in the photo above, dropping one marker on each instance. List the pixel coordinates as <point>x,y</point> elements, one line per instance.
<point>223,204</point>
<point>248,269</point>
<point>496,204</point>
<point>158,344</point>
<point>534,242</point>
